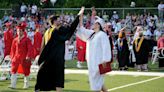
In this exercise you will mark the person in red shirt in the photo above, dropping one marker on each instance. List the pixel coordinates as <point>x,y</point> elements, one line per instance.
<point>21,55</point>
<point>8,38</point>
<point>81,49</point>
<point>37,41</point>
<point>160,45</point>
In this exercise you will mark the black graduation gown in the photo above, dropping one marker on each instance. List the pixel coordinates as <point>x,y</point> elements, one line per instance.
<point>123,54</point>
<point>161,60</point>
<point>111,45</point>
<point>51,61</point>
<point>143,54</point>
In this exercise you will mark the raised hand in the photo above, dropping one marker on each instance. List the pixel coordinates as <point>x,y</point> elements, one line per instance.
<point>81,11</point>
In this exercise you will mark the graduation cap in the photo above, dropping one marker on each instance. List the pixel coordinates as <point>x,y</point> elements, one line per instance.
<point>24,24</point>
<point>37,25</point>
<point>100,21</point>
<point>109,24</point>
<point>20,27</point>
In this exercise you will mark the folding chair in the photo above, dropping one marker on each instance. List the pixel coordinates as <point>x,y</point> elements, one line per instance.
<point>155,54</point>
<point>71,49</point>
<point>114,56</point>
<point>34,67</point>
<point>5,68</point>
<point>69,52</point>
<point>162,54</point>
<point>74,53</point>
<point>1,59</point>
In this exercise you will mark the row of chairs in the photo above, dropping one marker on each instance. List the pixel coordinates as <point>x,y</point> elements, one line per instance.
<point>155,54</point>
<point>5,68</point>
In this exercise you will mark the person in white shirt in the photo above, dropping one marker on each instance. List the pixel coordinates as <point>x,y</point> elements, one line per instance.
<point>118,26</point>
<point>34,9</point>
<point>32,24</point>
<point>161,10</point>
<point>30,35</point>
<point>157,33</point>
<point>115,16</point>
<point>23,10</point>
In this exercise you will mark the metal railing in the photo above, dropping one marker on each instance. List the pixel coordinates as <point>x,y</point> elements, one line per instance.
<point>121,11</point>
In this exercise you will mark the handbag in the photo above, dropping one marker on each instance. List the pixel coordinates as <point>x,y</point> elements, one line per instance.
<point>105,67</point>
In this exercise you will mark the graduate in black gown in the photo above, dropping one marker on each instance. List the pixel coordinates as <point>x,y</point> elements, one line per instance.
<point>51,72</point>
<point>141,51</point>
<point>123,51</point>
<point>108,30</point>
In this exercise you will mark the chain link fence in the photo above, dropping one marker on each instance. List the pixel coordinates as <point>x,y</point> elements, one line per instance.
<point>122,12</point>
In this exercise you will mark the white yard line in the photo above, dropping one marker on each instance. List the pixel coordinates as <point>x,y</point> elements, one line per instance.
<point>69,71</point>
<point>136,83</point>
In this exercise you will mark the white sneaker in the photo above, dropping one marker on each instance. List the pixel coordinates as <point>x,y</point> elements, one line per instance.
<point>12,86</point>
<point>79,65</point>
<point>13,81</point>
<point>26,83</point>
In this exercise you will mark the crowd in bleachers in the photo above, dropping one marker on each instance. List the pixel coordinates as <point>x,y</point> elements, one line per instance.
<point>149,23</point>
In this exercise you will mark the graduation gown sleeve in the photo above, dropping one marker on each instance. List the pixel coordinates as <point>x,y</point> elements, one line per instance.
<point>59,35</point>
<point>84,33</point>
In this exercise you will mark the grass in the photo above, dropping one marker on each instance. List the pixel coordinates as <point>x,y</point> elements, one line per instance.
<point>71,64</point>
<point>79,83</point>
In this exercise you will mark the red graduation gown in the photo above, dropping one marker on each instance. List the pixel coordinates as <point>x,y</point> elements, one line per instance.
<point>8,38</point>
<point>81,49</point>
<point>37,43</point>
<point>19,52</point>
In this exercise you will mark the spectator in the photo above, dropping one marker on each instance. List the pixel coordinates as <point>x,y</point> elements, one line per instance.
<point>160,45</point>
<point>161,10</point>
<point>34,9</point>
<point>23,10</point>
<point>115,16</point>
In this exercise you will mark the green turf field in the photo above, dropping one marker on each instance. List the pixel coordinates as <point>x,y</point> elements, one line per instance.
<point>152,68</point>
<point>115,83</point>
<point>79,83</point>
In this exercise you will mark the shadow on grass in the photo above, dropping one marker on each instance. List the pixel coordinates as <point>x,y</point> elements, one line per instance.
<point>9,91</point>
<point>75,91</point>
<point>70,80</point>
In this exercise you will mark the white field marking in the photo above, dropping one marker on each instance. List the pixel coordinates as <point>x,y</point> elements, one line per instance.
<point>69,71</point>
<point>136,83</point>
